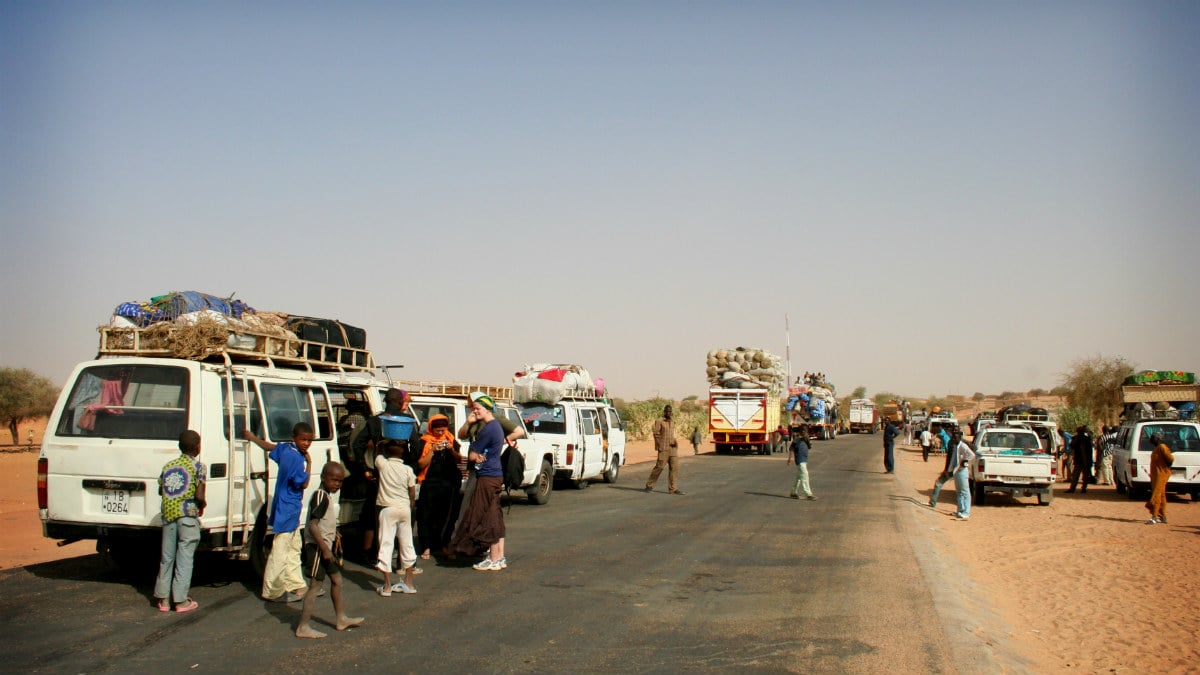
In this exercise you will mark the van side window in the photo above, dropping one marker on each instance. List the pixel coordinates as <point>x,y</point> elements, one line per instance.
<point>148,402</point>
<point>588,421</point>
<point>424,411</point>
<point>614,419</point>
<point>286,405</point>
<point>242,402</point>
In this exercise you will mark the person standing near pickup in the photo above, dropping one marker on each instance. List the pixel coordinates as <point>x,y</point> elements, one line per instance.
<point>1081,458</point>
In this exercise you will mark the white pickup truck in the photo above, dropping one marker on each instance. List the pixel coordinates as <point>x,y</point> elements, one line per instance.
<point>1012,460</point>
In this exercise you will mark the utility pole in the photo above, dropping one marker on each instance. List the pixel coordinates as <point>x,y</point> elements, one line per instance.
<point>787,332</point>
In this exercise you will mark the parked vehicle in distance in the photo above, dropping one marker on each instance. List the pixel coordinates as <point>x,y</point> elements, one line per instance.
<point>863,416</point>
<point>1012,460</point>
<point>742,420</point>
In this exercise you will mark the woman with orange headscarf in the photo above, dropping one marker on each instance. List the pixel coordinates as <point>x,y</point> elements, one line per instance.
<point>440,480</point>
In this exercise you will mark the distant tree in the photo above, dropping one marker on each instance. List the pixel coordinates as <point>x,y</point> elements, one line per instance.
<point>1036,392</point>
<point>1011,396</point>
<point>977,396</point>
<point>859,392</point>
<point>1094,384</point>
<point>690,404</point>
<point>1060,391</point>
<point>24,395</point>
<point>884,397</point>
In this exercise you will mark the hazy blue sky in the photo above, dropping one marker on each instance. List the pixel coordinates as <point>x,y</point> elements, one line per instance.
<point>945,197</point>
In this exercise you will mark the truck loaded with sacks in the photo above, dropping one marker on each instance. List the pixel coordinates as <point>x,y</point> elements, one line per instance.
<point>743,399</point>
<point>813,408</point>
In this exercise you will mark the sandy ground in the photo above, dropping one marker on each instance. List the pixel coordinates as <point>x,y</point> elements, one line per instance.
<point>1083,584</point>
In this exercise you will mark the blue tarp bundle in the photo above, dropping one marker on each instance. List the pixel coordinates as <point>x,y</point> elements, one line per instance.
<point>172,305</point>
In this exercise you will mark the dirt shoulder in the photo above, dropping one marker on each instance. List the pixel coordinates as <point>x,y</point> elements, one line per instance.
<point>1083,584</point>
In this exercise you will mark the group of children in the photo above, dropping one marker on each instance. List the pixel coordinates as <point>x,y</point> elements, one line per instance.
<point>295,552</point>
<point>313,551</point>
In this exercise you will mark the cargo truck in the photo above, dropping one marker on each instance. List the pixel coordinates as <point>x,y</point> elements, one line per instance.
<point>742,420</point>
<point>863,416</point>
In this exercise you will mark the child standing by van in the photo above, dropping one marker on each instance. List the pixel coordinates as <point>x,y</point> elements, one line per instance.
<point>319,562</point>
<point>282,581</point>
<point>181,485</point>
<point>397,494</point>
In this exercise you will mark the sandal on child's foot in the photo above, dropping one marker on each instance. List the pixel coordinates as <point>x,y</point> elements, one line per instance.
<point>187,606</point>
<point>164,605</point>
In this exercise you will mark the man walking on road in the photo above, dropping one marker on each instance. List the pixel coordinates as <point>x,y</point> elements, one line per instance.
<point>890,432</point>
<point>799,453</point>
<point>668,453</point>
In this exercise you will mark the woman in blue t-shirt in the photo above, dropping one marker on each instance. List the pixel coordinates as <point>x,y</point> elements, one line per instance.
<point>482,525</point>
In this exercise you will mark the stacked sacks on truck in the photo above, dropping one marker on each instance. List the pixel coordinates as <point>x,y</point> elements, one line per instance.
<point>550,383</point>
<point>745,368</point>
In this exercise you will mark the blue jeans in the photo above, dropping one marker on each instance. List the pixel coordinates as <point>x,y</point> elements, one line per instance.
<point>961,486</point>
<point>179,541</point>
<point>889,458</point>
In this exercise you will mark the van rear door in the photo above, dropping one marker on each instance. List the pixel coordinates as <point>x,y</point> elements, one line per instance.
<point>114,427</point>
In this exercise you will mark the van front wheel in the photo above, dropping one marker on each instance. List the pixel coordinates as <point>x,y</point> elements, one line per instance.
<point>543,486</point>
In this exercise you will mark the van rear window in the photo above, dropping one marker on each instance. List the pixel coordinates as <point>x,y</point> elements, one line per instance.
<point>127,401</point>
<point>1179,437</point>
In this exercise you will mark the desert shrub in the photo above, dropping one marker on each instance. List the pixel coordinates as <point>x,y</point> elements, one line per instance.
<point>1071,418</point>
<point>1094,384</point>
<point>977,396</point>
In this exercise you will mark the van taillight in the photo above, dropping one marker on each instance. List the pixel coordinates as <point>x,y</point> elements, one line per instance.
<point>570,453</point>
<point>43,469</point>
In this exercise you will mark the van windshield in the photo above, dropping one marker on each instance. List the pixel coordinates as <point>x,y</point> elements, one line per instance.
<point>127,401</point>
<point>544,418</point>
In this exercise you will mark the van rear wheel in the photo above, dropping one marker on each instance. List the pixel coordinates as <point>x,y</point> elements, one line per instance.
<point>614,470</point>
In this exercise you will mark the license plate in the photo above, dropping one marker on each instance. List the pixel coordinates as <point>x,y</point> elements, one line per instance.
<point>115,501</point>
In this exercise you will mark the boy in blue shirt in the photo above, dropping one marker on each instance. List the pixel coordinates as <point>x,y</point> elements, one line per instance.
<point>282,581</point>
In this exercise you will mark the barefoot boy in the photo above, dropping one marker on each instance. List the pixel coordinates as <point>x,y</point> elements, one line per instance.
<point>318,553</point>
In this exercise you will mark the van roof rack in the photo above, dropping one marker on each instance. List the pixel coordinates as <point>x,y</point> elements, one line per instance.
<point>457,389</point>
<point>169,341</point>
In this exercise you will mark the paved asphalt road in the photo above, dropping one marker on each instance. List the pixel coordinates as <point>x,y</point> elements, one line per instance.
<point>731,576</point>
